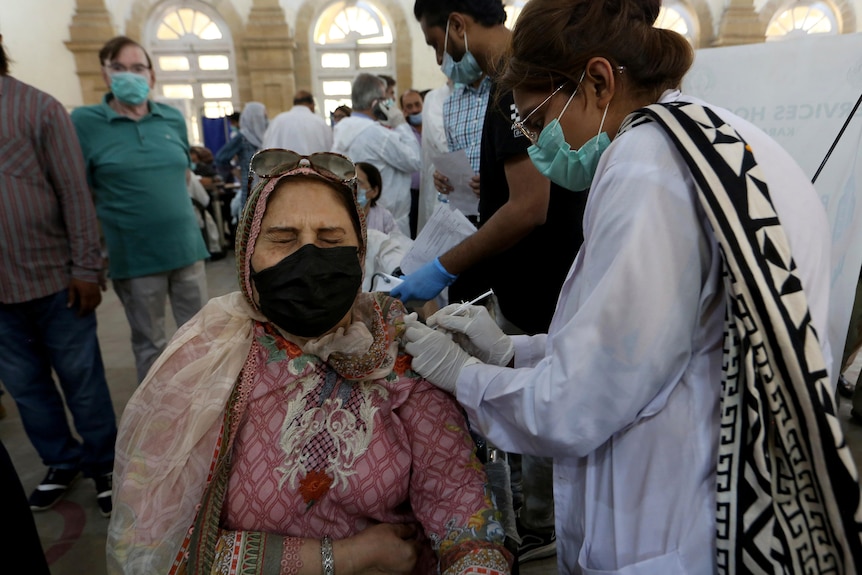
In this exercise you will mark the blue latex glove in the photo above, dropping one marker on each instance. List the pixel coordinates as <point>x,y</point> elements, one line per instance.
<point>425,283</point>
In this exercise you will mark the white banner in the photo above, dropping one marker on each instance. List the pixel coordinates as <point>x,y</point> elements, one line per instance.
<point>801,92</point>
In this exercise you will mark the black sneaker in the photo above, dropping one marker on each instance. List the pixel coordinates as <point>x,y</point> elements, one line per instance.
<point>104,485</point>
<point>536,544</point>
<point>52,488</point>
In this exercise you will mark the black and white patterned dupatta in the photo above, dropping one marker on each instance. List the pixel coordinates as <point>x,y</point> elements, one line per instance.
<point>788,498</point>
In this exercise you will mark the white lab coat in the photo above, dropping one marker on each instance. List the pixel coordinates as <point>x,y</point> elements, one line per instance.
<point>623,391</point>
<point>299,129</point>
<point>383,253</point>
<point>433,143</point>
<point>395,153</point>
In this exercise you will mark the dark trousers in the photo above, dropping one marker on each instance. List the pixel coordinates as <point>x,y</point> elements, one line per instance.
<point>414,212</point>
<point>42,335</point>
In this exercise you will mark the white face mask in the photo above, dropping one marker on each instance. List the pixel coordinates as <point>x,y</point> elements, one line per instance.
<point>464,71</point>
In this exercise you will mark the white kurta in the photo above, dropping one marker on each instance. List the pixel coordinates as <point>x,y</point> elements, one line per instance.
<point>433,144</point>
<point>299,129</point>
<point>623,392</point>
<point>395,153</point>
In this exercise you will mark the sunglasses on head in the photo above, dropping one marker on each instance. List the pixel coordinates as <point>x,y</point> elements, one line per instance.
<point>274,162</point>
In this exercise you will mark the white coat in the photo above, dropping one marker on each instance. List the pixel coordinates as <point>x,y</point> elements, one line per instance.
<point>395,153</point>
<point>434,143</point>
<point>623,391</point>
<point>299,129</point>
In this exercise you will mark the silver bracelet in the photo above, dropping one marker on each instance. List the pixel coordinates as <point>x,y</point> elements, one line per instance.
<point>327,561</point>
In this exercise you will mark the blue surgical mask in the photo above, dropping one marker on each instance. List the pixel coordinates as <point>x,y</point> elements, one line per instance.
<point>415,119</point>
<point>466,70</point>
<point>556,160</point>
<point>361,196</point>
<point>129,88</point>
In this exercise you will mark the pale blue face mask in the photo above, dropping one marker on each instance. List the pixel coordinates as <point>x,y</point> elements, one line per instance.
<point>361,196</point>
<point>129,88</point>
<point>464,71</point>
<point>557,161</point>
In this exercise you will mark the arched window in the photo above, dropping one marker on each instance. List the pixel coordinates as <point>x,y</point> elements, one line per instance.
<point>674,15</point>
<point>349,37</point>
<point>513,10</point>
<point>800,19</point>
<point>193,57</point>
<point>677,17</point>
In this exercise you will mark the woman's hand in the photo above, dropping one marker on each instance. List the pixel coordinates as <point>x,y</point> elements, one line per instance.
<point>383,548</point>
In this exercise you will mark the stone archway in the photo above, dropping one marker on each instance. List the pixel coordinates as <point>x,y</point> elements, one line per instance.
<point>142,11</point>
<point>306,18</point>
<point>705,24</point>
<point>843,9</point>
<point>91,27</point>
<point>742,24</point>
<point>263,47</point>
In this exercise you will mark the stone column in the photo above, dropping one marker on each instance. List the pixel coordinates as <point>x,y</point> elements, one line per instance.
<point>91,27</point>
<point>740,24</point>
<point>268,48</point>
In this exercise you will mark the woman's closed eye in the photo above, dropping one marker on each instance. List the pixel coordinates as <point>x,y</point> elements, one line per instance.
<point>334,236</point>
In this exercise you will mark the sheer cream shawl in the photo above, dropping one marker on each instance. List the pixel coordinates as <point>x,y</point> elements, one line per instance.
<point>168,434</point>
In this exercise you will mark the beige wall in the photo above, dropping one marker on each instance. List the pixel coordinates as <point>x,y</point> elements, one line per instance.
<point>33,34</point>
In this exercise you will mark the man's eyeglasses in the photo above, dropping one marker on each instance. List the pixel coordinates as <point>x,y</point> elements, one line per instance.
<point>274,162</point>
<point>139,69</point>
<point>521,124</point>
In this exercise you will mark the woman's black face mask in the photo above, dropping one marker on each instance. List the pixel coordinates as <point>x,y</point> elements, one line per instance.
<point>310,291</point>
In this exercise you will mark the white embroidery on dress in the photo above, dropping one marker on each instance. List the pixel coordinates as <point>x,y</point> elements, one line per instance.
<point>304,422</point>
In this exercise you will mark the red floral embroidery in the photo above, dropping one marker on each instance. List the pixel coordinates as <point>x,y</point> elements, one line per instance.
<point>289,347</point>
<point>314,486</point>
<point>402,363</point>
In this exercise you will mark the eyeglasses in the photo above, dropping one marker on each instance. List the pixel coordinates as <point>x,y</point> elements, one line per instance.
<point>274,162</point>
<point>531,134</point>
<point>139,69</point>
<point>520,125</point>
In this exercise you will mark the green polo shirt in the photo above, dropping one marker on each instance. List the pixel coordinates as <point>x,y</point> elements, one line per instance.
<point>137,171</point>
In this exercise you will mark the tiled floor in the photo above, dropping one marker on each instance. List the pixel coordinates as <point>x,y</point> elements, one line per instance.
<point>73,532</point>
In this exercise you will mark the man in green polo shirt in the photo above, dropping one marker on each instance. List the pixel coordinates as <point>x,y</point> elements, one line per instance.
<point>137,156</point>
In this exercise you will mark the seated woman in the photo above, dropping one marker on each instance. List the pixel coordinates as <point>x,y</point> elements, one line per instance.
<point>203,164</point>
<point>370,186</point>
<point>283,430</point>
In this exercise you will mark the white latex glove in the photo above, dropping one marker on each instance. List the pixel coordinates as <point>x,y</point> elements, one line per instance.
<point>435,356</point>
<point>394,116</point>
<point>476,331</point>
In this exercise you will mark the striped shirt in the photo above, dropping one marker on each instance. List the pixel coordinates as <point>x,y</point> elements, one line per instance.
<point>48,229</point>
<point>464,118</point>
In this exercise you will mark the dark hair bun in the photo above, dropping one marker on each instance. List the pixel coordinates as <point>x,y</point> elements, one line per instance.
<point>648,8</point>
